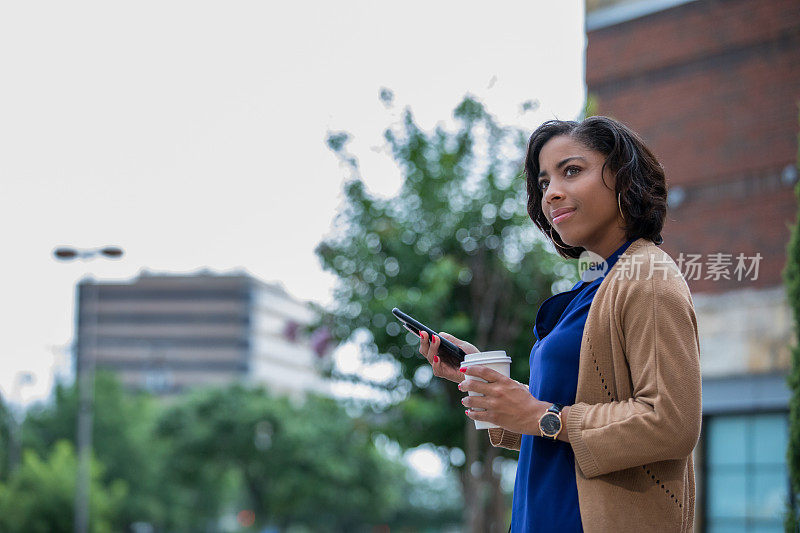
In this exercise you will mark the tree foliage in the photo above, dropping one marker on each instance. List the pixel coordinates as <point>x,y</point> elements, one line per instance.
<point>792,280</point>
<point>121,440</point>
<point>188,462</point>
<point>453,248</point>
<point>299,463</point>
<point>5,438</point>
<point>39,496</point>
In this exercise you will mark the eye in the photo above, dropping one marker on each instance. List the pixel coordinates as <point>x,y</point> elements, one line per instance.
<point>571,171</point>
<point>543,184</point>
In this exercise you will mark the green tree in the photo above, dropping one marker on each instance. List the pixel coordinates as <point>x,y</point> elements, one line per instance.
<point>456,249</point>
<point>39,496</point>
<point>298,463</point>
<point>591,106</point>
<point>5,438</point>
<point>191,460</point>
<point>791,275</point>
<point>122,441</point>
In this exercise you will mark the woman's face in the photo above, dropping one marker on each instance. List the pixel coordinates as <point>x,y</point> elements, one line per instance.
<point>571,181</point>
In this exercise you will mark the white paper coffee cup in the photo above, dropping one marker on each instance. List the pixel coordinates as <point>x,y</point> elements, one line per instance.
<point>498,361</point>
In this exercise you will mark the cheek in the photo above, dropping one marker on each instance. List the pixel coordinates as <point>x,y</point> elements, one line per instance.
<point>605,204</point>
<point>597,197</point>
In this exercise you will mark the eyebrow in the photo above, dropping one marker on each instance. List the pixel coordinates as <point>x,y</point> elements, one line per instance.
<point>562,163</point>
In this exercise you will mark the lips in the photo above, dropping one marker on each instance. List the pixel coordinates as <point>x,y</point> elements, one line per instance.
<point>560,211</point>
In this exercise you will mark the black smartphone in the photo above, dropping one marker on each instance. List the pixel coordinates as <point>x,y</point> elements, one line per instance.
<point>449,352</point>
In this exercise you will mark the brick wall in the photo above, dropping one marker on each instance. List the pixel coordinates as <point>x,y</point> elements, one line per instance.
<point>713,86</point>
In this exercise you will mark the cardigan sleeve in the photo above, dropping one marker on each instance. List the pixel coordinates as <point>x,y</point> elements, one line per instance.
<point>662,419</point>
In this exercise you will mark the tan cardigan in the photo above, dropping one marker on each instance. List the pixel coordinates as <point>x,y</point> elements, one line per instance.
<point>637,412</point>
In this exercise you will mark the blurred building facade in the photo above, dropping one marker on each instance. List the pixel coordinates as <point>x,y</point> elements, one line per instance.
<point>713,88</point>
<point>168,333</point>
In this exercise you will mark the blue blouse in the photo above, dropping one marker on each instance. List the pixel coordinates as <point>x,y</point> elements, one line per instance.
<point>545,490</point>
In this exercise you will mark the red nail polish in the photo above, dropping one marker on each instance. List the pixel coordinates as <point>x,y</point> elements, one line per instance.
<point>467,411</point>
<point>435,358</point>
<point>462,370</point>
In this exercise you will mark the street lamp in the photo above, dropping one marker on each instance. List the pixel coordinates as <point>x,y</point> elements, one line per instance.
<point>16,415</point>
<point>85,362</point>
<point>65,253</point>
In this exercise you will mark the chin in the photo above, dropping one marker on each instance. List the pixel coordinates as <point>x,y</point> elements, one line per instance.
<point>574,242</point>
<point>568,239</point>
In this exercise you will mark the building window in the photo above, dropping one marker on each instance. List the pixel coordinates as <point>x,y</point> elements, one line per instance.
<point>747,478</point>
<point>158,380</point>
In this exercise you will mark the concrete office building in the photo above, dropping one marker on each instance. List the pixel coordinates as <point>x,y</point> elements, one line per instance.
<point>168,333</point>
<point>713,87</point>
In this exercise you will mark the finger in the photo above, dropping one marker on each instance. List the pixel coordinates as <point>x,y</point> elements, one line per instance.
<point>467,347</point>
<point>478,415</point>
<point>428,348</point>
<point>437,363</point>
<point>454,340</point>
<point>475,385</point>
<point>475,402</point>
<point>486,373</point>
<point>433,351</point>
<point>423,343</point>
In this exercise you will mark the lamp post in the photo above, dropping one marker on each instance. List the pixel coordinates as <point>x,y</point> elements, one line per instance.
<point>16,415</point>
<point>85,363</point>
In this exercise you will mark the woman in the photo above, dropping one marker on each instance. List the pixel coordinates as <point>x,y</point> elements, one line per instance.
<point>607,425</point>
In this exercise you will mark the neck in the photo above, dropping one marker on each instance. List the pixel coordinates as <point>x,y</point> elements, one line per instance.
<point>608,244</point>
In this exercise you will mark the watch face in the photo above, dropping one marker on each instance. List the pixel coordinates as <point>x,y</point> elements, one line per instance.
<point>550,424</point>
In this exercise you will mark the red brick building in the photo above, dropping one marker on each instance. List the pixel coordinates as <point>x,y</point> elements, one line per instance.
<point>713,87</point>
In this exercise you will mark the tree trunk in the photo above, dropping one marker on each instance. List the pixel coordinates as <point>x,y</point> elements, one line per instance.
<point>485,509</point>
<point>497,505</point>
<point>494,501</point>
<point>473,507</point>
<point>484,502</point>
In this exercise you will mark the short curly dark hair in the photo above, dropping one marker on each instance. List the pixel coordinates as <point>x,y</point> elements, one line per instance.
<point>640,182</point>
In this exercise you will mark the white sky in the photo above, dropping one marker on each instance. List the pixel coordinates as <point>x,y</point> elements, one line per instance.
<point>192,133</point>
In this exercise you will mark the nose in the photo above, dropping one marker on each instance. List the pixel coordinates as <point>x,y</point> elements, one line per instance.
<point>552,192</point>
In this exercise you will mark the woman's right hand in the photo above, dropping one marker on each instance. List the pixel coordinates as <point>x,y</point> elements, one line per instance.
<point>430,348</point>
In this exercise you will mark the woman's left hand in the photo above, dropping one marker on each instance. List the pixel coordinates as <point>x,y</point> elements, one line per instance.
<point>508,403</point>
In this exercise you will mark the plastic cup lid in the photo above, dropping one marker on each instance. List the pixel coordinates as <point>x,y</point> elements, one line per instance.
<point>483,358</point>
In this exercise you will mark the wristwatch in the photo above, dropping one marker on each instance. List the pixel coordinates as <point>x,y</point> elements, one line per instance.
<point>550,422</point>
